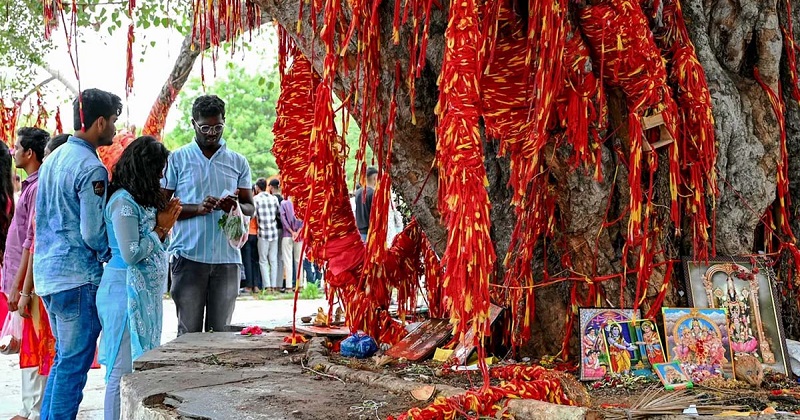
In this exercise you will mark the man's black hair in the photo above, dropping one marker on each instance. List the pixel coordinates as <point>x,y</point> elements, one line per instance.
<point>32,138</point>
<point>96,103</point>
<point>261,184</point>
<point>208,106</point>
<point>275,183</point>
<point>57,142</point>
<point>371,171</point>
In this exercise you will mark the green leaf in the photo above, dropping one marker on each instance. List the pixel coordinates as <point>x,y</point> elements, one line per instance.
<point>262,80</point>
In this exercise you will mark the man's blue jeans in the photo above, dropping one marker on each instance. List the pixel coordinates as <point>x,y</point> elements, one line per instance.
<point>313,272</point>
<point>76,326</point>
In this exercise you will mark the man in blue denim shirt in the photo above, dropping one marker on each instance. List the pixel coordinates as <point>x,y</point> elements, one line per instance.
<point>71,246</point>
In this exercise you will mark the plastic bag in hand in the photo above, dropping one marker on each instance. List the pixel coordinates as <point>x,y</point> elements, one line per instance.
<point>234,226</point>
<point>11,335</point>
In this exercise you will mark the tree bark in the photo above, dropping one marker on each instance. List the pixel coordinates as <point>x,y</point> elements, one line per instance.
<point>157,118</point>
<point>732,37</point>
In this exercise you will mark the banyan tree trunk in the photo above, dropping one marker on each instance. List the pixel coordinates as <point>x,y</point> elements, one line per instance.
<point>732,38</point>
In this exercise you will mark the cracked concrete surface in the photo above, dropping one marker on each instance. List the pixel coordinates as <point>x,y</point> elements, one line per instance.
<point>248,310</point>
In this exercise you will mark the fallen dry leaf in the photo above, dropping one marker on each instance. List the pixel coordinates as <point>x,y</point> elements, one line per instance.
<point>381,361</point>
<point>423,393</point>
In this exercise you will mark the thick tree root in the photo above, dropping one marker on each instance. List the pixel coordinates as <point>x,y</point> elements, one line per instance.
<point>520,409</point>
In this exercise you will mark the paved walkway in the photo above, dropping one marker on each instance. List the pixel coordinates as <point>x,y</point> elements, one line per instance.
<point>269,313</point>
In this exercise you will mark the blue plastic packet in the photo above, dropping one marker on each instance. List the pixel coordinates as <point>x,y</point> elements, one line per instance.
<point>359,346</point>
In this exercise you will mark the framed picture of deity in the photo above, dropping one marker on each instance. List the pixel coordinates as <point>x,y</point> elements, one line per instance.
<point>672,376</point>
<point>634,347</point>
<point>746,289</point>
<point>698,340</point>
<point>624,353</point>
<point>595,362</point>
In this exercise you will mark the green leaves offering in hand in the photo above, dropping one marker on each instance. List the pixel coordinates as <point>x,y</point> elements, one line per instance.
<point>231,226</point>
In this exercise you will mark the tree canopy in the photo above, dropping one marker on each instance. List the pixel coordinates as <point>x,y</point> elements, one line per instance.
<point>24,48</point>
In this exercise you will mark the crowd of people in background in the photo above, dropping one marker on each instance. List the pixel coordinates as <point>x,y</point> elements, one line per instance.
<point>88,254</point>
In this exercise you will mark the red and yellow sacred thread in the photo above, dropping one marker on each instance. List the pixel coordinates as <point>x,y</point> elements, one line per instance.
<point>463,201</point>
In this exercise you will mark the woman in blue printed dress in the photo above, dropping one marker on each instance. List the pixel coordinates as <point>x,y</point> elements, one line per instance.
<point>129,301</point>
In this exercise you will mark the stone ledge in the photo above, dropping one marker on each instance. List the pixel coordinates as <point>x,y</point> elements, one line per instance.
<point>224,376</point>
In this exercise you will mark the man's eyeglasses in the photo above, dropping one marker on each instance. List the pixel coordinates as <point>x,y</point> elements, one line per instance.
<point>209,129</point>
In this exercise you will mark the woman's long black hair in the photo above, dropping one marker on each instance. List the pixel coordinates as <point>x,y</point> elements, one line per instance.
<point>139,171</point>
<point>6,193</point>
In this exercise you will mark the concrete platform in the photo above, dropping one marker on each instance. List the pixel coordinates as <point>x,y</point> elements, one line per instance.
<point>229,376</point>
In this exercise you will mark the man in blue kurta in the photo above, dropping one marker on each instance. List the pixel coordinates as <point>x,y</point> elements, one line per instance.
<point>209,179</point>
<point>71,246</point>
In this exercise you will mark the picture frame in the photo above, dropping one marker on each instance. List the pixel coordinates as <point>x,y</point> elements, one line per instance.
<point>594,354</point>
<point>626,348</point>
<point>672,376</point>
<point>641,340</point>
<point>698,339</point>
<point>746,288</point>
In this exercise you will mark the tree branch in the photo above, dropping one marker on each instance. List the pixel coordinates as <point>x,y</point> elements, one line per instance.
<point>35,88</point>
<point>58,75</point>
<point>190,50</point>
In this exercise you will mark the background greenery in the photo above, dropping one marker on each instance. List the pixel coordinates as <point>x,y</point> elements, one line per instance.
<point>250,101</point>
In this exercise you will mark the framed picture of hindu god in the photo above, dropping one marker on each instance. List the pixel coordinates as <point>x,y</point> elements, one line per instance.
<point>634,347</point>
<point>624,353</point>
<point>698,340</point>
<point>595,362</point>
<point>746,288</point>
<point>672,376</point>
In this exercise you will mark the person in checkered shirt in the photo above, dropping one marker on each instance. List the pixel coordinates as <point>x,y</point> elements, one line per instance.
<point>266,210</point>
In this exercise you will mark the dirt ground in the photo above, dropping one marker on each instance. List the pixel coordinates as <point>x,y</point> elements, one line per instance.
<point>322,397</point>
